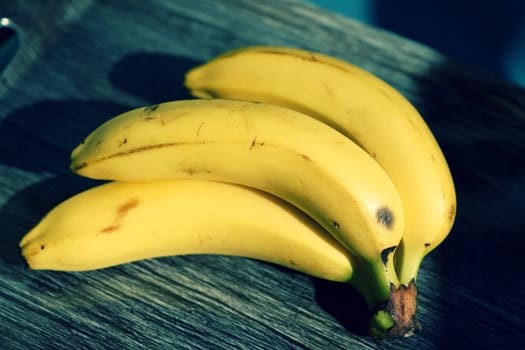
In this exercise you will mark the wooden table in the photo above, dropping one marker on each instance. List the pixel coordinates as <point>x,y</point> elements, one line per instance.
<point>85,61</point>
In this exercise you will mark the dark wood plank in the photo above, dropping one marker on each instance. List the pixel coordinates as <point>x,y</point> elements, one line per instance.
<point>98,59</point>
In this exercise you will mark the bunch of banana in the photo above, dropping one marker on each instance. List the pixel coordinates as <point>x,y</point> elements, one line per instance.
<point>362,107</point>
<point>299,159</point>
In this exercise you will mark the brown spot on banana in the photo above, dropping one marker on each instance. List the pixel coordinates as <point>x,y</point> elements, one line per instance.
<point>121,212</point>
<point>148,118</point>
<point>124,208</point>
<point>305,157</point>
<point>452,213</point>
<point>254,143</point>
<point>110,228</point>
<point>192,171</point>
<point>385,217</point>
<point>198,130</point>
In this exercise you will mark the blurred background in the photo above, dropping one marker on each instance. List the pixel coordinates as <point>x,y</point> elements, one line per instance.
<point>487,34</point>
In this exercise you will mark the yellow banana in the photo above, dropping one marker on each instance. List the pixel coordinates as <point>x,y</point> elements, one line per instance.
<point>274,149</point>
<point>364,108</point>
<point>117,223</point>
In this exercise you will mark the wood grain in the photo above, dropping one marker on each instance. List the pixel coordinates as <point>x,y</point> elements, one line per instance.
<point>100,58</point>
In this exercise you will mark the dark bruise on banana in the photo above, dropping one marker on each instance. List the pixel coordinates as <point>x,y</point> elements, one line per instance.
<point>385,217</point>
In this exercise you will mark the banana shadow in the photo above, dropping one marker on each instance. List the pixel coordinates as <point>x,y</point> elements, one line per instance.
<point>154,77</point>
<point>39,137</point>
<point>449,27</point>
<point>479,121</point>
<point>344,303</point>
<point>35,141</point>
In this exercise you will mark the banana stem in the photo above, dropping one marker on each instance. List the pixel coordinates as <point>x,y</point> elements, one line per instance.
<point>396,318</point>
<point>392,305</point>
<point>402,307</point>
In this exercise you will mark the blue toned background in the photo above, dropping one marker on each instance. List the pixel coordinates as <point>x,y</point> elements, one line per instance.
<point>487,34</point>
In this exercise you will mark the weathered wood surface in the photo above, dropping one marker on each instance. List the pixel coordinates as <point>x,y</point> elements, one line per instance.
<point>84,62</point>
